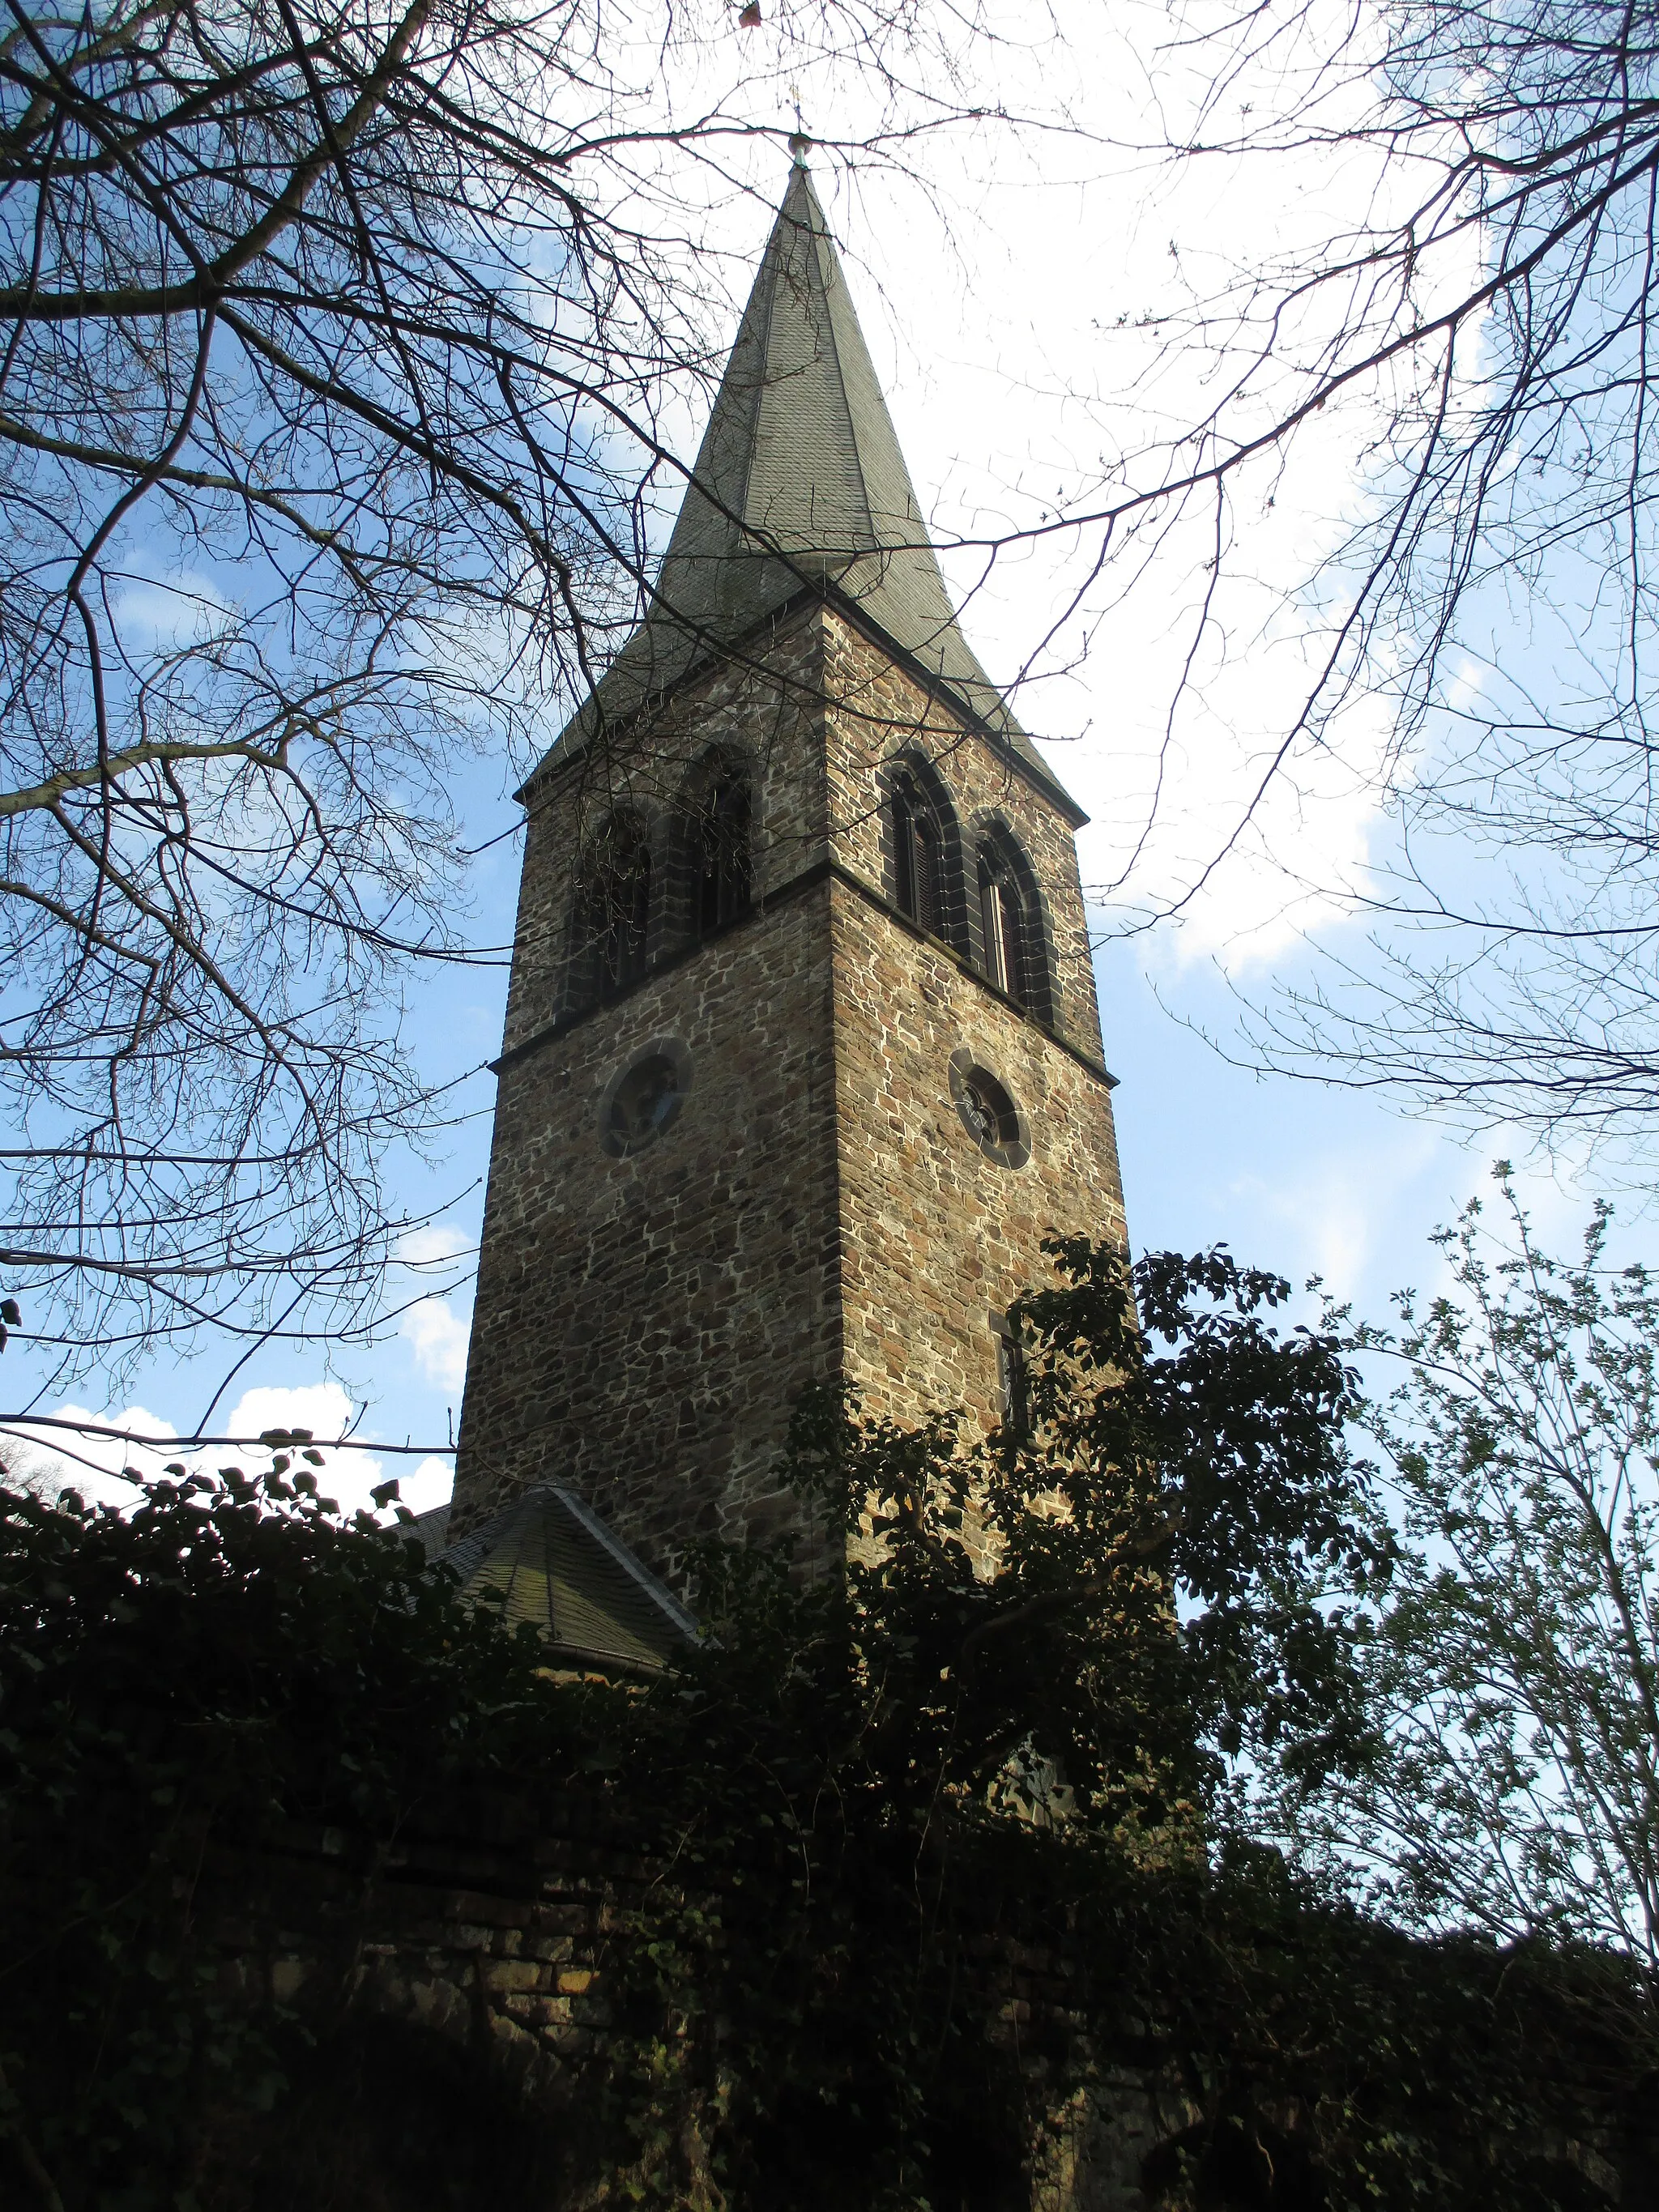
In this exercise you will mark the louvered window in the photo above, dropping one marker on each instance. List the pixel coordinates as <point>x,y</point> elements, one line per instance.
<point>1002,926</point>
<point>724,873</point>
<point>918,851</point>
<point>613,915</point>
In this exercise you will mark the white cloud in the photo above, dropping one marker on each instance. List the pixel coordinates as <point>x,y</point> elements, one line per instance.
<point>93,1465</point>
<point>1340,1210</point>
<point>430,1485</point>
<point>322,1407</point>
<point>163,613</point>
<point>434,1244</point>
<point>439,1337</point>
<point>89,1464</point>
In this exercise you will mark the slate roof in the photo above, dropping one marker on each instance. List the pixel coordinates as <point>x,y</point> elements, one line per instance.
<point>800,484</point>
<point>557,1565</point>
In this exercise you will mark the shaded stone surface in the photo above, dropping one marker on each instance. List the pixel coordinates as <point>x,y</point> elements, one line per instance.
<point>455,1990</point>
<point>816,1212</point>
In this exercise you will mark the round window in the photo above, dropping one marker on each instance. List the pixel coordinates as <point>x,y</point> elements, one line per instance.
<point>988,1112</point>
<point>642,1102</point>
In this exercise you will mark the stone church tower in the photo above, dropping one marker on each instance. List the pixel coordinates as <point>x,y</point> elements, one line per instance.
<point>803,1056</point>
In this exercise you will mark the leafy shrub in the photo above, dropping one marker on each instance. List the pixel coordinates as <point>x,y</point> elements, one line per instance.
<point>990,1717</point>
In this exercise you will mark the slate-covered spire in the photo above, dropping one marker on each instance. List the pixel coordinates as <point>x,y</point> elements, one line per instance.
<point>800,484</point>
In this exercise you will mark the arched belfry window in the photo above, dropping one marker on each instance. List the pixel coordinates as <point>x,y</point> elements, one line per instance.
<point>918,854</point>
<point>724,856</point>
<point>1012,947</point>
<point>613,912</point>
<point>1003,927</point>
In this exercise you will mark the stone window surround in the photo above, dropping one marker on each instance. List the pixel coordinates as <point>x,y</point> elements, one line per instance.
<point>623,832</point>
<point>963,845</point>
<point>677,826</point>
<point>677,1055</point>
<point>911,767</point>
<point>796,886</point>
<point>667,834</point>
<point>991,835</point>
<point>1012,1150</point>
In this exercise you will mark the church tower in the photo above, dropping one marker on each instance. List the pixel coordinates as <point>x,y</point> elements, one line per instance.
<point>803,1057</point>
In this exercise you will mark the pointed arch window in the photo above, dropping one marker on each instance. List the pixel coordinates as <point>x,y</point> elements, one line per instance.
<point>918,856</point>
<point>613,912</point>
<point>1013,1382</point>
<point>723,855</point>
<point>1004,930</point>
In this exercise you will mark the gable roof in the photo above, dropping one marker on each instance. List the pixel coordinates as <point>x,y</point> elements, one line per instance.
<point>800,485</point>
<point>549,1559</point>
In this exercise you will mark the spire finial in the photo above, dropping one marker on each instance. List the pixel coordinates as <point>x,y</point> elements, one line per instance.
<point>800,145</point>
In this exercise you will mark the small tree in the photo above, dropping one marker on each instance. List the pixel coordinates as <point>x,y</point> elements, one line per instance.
<point>1516,1664</point>
<point>1125,1591</point>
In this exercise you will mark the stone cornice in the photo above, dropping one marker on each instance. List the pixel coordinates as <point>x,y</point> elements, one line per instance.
<point>796,886</point>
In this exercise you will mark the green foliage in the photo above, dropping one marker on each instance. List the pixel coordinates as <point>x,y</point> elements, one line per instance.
<point>1222,1463</point>
<point>1515,1669</point>
<point>1118,1601</point>
<point>1010,1716</point>
<point>225,1654</point>
<point>989,1721</point>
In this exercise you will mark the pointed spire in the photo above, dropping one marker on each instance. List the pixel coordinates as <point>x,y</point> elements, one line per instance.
<point>799,482</point>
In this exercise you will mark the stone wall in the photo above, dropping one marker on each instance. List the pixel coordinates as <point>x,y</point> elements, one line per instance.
<point>878,713</point>
<point>818,1210</point>
<point>767,712</point>
<point>936,1239</point>
<point>488,1949</point>
<point>486,1933</point>
<point>483,1956</point>
<point>643,1324</point>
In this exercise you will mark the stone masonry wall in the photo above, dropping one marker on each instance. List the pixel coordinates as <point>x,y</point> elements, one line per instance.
<point>878,713</point>
<point>496,1942</point>
<point>644,1323</point>
<point>766,712</point>
<point>482,1957</point>
<point>938,1240</point>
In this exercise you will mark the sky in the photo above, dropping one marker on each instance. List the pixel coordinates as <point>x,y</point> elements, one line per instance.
<point>1000,281</point>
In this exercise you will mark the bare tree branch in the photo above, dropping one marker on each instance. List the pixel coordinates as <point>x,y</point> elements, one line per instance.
<point>331,345</point>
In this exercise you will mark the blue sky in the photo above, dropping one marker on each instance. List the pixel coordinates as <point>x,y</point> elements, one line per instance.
<point>999,289</point>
